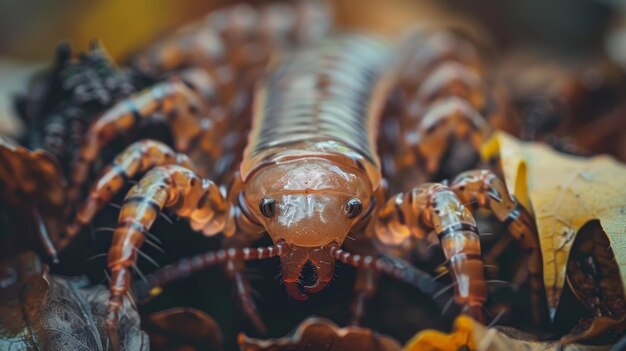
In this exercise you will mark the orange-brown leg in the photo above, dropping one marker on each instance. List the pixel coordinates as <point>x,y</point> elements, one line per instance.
<point>138,158</point>
<point>365,287</point>
<point>445,119</point>
<point>486,190</point>
<point>443,96</point>
<point>173,99</point>
<point>235,270</point>
<point>436,207</point>
<point>168,187</point>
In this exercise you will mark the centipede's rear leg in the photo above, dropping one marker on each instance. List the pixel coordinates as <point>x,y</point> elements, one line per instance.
<point>170,187</point>
<point>442,103</point>
<point>486,190</point>
<point>446,120</point>
<point>434,207</point>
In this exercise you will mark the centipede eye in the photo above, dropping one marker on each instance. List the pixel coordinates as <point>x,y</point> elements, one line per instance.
<point>353,207</point>
<point>267,206</point>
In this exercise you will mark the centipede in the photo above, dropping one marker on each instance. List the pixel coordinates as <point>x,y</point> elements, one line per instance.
<point>283,127</point>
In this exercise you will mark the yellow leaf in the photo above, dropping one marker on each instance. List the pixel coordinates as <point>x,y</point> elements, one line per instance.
<point>434,340</point>
<point>471,335</point>
<point>564,192</point>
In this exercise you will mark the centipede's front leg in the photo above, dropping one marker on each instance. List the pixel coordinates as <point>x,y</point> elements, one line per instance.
<point>170,187</point>
<point>434,207</point>
<point>137,159</point>
<point>235,269</point>
<point>486,190</point>
<point>174,99</point>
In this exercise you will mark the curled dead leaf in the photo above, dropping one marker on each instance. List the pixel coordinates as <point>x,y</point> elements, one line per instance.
<point>183,329</point>
<point>564,193</point>
<point>321,334</point>
<point>44,312</point>
<point>32,183</point>
<point>35,174</point>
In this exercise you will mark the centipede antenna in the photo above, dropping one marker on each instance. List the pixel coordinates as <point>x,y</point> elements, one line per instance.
<point>119,207</point>
<point>187,266</point>
<point>392,266</point>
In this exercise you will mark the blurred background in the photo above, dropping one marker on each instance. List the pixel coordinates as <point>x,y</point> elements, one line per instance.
<point>553,37</point>
<point>30,29</point>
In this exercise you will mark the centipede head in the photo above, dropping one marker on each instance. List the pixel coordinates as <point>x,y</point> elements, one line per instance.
<point>309,203</point>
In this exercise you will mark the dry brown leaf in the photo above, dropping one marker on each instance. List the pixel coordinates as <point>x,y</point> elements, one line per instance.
<point>183,329</point>
<point>322,334</point>
<point>475,336</point>
<point>30,176</point>
<point>564,192</point>
<point>40,311</point>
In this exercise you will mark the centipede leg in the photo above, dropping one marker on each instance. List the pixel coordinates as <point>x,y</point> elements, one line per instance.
<point>235,271</point>
<point>486,190</point>
<point>442,97</point>
<point>138,158</point>
<point>436,207</point>
<point>365,287</point>
<point>444,120</point>
<point>172,98</point>
<point>171,187</point>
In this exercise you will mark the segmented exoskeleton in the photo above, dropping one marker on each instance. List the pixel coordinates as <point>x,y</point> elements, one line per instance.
<point>310,173</point>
